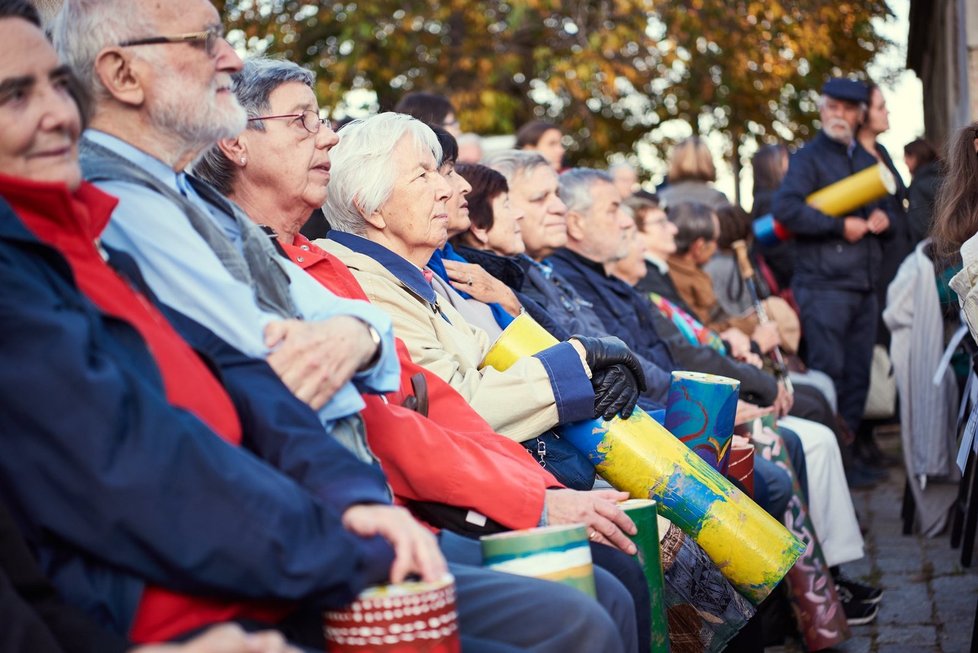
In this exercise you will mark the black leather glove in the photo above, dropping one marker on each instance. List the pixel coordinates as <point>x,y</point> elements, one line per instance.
<point>614,389</point>
<point>615,392</point>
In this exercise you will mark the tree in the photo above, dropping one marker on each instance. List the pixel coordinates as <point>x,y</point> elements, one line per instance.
<point>501,63</point>
<point>610,72</point>
<point>752,69</point>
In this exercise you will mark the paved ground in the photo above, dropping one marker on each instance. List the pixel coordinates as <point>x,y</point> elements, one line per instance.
<point>929,604</point>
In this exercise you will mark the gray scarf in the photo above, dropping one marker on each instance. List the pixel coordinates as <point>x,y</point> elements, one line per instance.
<point>258,264</point>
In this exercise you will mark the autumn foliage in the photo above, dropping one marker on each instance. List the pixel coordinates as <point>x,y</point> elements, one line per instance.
<point>611,72</point>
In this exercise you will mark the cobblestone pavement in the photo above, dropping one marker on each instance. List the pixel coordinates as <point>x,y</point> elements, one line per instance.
<point>929,600</point>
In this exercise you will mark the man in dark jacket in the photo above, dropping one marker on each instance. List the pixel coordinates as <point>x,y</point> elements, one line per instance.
<point>838,259</point>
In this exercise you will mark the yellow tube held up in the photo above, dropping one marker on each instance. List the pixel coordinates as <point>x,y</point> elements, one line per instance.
<point>846,195</point>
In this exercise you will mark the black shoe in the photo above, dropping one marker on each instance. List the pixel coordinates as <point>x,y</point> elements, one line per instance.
<point>869,453</point>
<point>858,591</point>
<point>857,612</point>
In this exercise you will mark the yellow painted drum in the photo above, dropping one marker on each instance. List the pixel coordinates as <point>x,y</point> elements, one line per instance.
<point>641,457</point>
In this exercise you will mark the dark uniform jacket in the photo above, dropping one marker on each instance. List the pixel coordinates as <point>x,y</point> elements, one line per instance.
<point>824,259</point>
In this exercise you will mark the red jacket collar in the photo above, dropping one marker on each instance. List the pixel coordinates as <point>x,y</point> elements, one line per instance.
<point>48,208</point>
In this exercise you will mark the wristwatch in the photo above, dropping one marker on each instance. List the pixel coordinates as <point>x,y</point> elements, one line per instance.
<point>376,339</point>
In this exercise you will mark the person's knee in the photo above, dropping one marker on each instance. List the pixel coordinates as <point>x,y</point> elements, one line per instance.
<point>609,623</point>
<point>776,487</point>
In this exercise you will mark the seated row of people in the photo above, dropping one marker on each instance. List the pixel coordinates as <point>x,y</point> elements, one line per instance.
<point>231,427</point>
<point>149,482</point>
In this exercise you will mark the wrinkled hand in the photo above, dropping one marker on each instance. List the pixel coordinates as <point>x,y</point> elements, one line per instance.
<point>878,221</point>
<point>784,401</point>
<point>747,412</point>
<point>226,638</point>
<point>615,390</point>
<point>315,359</point>
<point>474,280</point>
<point>415,548</point>
<point>854,229</point>
<point>606,522</point>
<point>739,342</point>
<point>766,336</point>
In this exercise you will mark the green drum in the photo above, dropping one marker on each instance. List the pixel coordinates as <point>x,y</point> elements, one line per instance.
<point>646,539</point>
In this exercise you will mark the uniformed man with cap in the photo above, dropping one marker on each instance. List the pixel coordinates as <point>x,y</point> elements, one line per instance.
<point>838,259</point>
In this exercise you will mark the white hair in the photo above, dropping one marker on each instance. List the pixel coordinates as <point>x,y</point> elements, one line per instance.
<point>513,163</point>
<point>364,169</point>
<point>84,27</point>
<point>47,10</point>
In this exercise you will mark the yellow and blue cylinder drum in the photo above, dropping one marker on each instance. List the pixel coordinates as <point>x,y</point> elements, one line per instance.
<point>641,457</point>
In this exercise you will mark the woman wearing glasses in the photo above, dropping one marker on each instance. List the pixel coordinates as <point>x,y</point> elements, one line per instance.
<point>279,187</point>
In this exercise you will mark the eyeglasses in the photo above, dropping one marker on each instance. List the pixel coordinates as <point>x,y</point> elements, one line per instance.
<point>310,120</point>
<point>208,38</point>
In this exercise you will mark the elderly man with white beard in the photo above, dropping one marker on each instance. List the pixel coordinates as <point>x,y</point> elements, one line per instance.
<point>838,259</point>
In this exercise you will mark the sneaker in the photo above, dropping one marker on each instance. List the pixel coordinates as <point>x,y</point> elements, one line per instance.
<point>858,591</point>
<point>857,612</point>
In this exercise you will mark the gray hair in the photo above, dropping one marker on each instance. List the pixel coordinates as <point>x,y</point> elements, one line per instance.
<point>693,220</point>
<point>575,187</point>
<point>513,163</point>
<point>252,85</point>
<point>84,27</point>
<point>364,169</point>
<point>863,106</point>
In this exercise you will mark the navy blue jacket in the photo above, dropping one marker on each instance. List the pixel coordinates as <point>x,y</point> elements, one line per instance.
<point>824,259</point>
<point>33,616</point>
<point>513,275</point>
<point>623,314</point>
<point>113,487</point>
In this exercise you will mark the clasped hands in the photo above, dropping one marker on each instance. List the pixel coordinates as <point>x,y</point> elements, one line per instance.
<point>314,359</point>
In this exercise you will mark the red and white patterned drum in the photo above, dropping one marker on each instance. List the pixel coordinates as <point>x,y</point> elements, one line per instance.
<point>410,617</point>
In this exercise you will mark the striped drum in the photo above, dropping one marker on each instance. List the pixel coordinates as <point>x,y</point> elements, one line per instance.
<point>558,553</point>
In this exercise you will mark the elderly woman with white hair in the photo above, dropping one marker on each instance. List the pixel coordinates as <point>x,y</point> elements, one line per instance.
<point>387,207</point>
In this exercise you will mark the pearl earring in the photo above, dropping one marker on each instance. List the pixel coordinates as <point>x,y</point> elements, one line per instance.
<point>242,160</point>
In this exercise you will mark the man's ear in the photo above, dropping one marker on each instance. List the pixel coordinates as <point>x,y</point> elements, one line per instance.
<point>576,226</point>
<point>119,76</point>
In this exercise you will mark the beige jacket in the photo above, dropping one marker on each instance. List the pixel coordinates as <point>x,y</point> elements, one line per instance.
<point>965,284</point>
<point>518,403</point>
